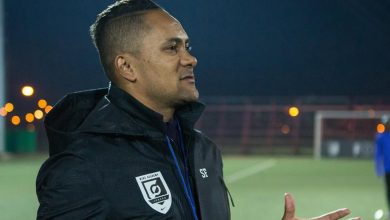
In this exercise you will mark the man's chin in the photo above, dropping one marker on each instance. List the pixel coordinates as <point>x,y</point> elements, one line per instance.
<point>189,97</point>
<point>195,95</point>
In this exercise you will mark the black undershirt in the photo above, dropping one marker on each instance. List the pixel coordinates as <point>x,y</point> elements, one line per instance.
<point>172,131</point>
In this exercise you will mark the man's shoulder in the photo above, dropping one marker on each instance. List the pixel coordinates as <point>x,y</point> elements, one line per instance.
<point>78,159</point>
<point>84,148</point>
<point>204,141</point>
<point>202,136</point>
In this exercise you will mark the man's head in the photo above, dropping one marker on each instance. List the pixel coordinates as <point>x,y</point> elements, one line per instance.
<point>145,51</point>
<point>118,29</point>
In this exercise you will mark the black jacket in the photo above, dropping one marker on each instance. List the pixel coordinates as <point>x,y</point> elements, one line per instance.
<point>109,160</point>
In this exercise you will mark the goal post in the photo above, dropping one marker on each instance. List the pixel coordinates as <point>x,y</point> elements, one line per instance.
<point>321,116</point>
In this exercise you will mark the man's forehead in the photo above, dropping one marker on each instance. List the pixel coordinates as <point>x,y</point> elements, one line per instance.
<point>162,21</point>
<point>183,39</point>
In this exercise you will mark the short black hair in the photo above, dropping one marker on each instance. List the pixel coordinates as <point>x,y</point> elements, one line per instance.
<point>119,28</point>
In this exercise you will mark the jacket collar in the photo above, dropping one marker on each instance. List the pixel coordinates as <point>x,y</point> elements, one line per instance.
<point>134,118</point>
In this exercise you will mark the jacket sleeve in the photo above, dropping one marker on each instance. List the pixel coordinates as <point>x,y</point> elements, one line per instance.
<point>70,188</point>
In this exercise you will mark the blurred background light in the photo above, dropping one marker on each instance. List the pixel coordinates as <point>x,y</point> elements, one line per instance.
<point>293,111</point>
<point>42,103</point>
<point>15,120</point>
<point>285,129</point>
<point>3,112</point>
<point>380,128</point>
<point>29,117</point>
<point>48,108</point>
<point>27,90</point>
<point>9,107</point>
<point>38,114</point>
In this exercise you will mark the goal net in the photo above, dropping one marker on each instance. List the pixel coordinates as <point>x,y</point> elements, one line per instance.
<point>346,133</point>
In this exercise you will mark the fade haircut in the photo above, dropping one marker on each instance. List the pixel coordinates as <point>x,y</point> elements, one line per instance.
<point>120,29</point>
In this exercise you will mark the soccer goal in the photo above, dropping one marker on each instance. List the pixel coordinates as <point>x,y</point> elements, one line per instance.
<point>346,133</point>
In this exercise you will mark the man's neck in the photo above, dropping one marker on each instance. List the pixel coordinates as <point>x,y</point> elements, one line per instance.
<point>167,115</point>
<point>166,112</point>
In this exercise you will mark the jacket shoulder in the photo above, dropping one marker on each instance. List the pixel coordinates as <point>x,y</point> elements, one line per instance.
<point>206,141</point>
<point>69,187</point>
<point>199,134</point>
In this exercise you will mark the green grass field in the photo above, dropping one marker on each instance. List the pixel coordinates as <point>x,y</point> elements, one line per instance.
<point>257,185</point>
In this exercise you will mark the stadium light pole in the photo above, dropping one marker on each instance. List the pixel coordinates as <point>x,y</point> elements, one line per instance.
<point>2,77</point>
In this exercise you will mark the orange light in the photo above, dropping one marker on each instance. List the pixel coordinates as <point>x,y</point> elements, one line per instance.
<point>15,120</point>
<point>293,111</point>
<point>3,112</point>
<point>380,128</point>
<point>42,103</point>
<point>29,117</point>
<point>27,90</point>
<point>285,129</point>
<point>9,107</point>
<point>48,109</point>
<point>38,114</point>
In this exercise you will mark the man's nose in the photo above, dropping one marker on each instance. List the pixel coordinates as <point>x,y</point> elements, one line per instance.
<point>188,60</point>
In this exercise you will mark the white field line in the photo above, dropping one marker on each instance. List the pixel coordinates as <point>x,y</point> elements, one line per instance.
<point>257,168</point>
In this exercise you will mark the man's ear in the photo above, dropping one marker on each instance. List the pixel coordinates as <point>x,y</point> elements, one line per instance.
<point>125,67</point>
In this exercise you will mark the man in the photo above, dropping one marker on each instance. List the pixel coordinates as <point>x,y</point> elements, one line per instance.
<point>382,158</point>
<point>130,151</point>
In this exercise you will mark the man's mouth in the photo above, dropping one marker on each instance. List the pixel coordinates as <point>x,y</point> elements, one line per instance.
<point>188,78</point>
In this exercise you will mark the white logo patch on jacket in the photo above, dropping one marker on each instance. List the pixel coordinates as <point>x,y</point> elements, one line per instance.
<point>203,171</point>
<point>155,191</point>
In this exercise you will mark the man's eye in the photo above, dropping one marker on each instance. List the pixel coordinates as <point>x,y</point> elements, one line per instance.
<point>188,48</point>
<point>172,48</point>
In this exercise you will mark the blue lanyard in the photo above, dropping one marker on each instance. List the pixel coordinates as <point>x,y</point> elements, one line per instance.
<point>185,162</point>
<point>185,182</point>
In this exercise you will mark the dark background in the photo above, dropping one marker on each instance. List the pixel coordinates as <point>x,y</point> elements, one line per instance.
<point>244,48</point>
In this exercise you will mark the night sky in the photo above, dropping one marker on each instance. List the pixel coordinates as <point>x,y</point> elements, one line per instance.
<point>244,48</point>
